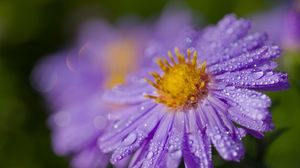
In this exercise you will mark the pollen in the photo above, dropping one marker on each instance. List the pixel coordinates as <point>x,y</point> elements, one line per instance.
<point>182,83</point>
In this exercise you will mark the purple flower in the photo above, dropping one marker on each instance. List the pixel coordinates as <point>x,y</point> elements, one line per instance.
<point>204,93</point>
<point>282,24</point>
<point>291,30</point>
<point>73,81</point>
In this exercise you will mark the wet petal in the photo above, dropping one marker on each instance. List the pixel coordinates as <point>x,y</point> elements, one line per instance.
<point>134,139</point>
<point>174,144</point>
<point>228,30</point>
<point>255,79</point>
<point>197,147</point>
<point>246,60</point>
<point>246,44</point>
<point>145,120</point>
<point>225,138</point>
<point>237,114</point>
<point>153,156</point>
<point>252,104</point>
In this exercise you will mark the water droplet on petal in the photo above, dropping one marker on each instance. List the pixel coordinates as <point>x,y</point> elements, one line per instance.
<point>130,139</point>
<point>188,40</point>
<point>234,154</point>
<point>218,136</point>
<point>258,75</point>
<point>176,154</point>
<point>116,126</point>
<point>150,155</point>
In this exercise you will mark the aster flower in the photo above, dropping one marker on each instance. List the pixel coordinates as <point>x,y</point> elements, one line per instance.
<point>291,37</point>
<point>282,24</point>
<point>72,82</point>
<point>205,93</point>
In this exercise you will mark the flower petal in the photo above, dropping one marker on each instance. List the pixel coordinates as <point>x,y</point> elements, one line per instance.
<point>225,138</point>
<point>228,30</point>
<point>255,79</point>
<point>246,60</point>
<point>134,139</point>
<point>253,104</point>
<point>90,157</point>
<point>134,117</point>
<point>154,154</point>
<point>72,129</point>
<point>246,44</point>
<point>124,94</point>
<point>197,146</point>
<point>237,114</point>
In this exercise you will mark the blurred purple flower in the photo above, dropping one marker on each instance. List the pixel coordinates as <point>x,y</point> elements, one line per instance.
<point>194,102</point>
<point>291,30</point>
<point>282,24</point>
<point>72,83</point>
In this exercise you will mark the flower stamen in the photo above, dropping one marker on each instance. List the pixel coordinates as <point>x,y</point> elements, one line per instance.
<point>183,83</point>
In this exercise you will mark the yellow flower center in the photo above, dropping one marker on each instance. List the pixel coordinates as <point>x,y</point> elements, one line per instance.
<point>121,59</point>
<point>183,83</point>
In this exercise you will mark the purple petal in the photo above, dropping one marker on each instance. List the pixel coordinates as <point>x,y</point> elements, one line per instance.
<point>125,94</point>
<point>72,129</point>
<point>252,104</point>
<point>90,157</point>
<point>174,144</point>
<point>246,60</point>
<point>133,117</point>
<point>171,155</point>
<point>134,139</point>
<point>66,79</point>
<point>237,114</point>
<point>215,39</point>
<point>197,146</point>
<point>246,44</point>
<point>156,151</point>
<point>256,79</point>
<point>224,137</point>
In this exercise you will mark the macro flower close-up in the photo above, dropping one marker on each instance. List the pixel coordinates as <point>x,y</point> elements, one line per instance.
<point>149,84</point>
<point>206,93</point>
<point>73,81</point>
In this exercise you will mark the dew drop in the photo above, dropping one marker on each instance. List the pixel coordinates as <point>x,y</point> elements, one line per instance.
<point>130,139</point>
<point>218,136</point>
<point>150,155</point>
<point>263,97</point>
<point>116,126</point>
<point>260,116</point>
<point>258,75</point>
<point>188,40</point>
<point>176,154</point>
<point>234,154</point>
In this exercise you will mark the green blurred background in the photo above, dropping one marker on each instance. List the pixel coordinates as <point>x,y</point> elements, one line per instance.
<point>31,29</point>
